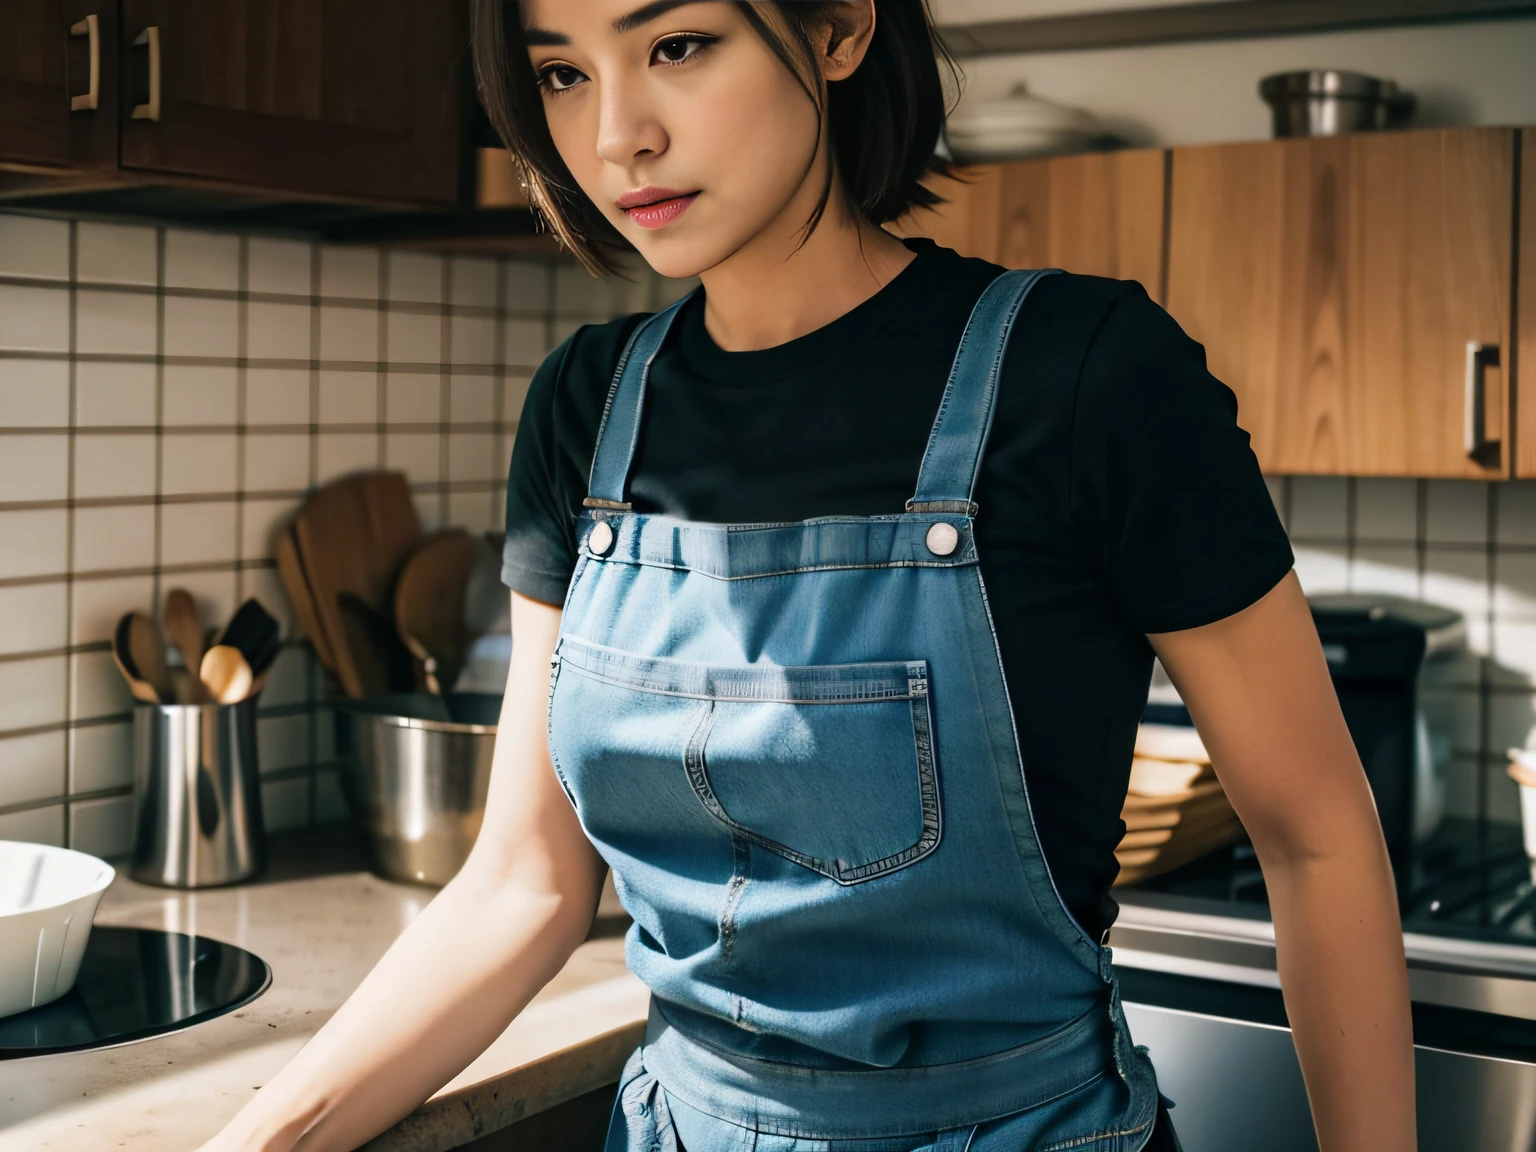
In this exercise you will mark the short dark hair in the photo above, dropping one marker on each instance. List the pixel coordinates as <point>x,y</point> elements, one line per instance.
<point>884,120</point>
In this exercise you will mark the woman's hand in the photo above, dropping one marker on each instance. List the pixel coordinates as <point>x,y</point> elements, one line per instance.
<point>474,957</point>
<point>1258,689</point>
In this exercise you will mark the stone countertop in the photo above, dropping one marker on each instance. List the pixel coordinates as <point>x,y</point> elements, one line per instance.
<point>321,920</point>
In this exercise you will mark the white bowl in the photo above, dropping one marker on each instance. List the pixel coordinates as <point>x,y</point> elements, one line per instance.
<point>48,898</point>
<point>982,131</point>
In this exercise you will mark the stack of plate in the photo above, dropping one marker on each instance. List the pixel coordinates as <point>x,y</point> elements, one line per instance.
<point>1175,810</point>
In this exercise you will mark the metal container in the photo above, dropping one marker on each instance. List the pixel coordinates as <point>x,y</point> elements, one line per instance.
<point>417,785</point>
<point>196,795</point>
<point>1326,102</point>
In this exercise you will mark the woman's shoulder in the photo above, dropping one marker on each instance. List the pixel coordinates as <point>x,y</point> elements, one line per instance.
<point>1102,333</point>
<point>571,385</point>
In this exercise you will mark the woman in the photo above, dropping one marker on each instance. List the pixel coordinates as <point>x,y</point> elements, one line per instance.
<point>849,638</point>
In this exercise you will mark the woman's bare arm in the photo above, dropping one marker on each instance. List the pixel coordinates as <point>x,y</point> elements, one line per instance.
<point>473,958</point>
<point>1258,689</point>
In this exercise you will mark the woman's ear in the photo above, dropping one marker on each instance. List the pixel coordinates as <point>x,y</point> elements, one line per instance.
<point>842,41</point>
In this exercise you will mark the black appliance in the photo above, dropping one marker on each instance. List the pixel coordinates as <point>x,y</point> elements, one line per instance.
<point>1383,652</point>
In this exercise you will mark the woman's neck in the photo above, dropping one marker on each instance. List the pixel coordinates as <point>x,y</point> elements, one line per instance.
<point>769,292</point>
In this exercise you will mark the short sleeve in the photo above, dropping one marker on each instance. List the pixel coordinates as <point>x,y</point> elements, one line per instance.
<point>540,552</point>
<point>1164,481</point>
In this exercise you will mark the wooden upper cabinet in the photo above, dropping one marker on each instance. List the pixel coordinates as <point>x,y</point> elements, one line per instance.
<point>1337,284</point>
<point>357,99</point>
<point>1099,214</point>
<point>34,128</point>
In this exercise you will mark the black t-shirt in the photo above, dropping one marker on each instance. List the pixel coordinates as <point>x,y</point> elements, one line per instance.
<point>1117,495</point>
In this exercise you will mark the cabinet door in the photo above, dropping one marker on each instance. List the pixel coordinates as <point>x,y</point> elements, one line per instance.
<point>34,101</point>
<point>1099,214</point>
<point>967,220</point>
<point>346,98</point>
<point>1336,285</point>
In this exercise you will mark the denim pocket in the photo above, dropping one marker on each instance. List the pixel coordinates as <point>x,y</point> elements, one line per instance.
<point>830,766</point>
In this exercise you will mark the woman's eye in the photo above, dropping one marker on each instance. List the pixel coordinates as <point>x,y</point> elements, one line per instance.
<point>560,77</point>
<point>676,49</point>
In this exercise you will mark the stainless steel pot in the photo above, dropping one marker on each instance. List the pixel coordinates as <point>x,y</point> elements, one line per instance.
<point>1327,102</point>
<point>417,785</point>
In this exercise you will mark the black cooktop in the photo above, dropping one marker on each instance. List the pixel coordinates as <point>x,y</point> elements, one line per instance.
<point>1471,880</point>
<point>135,983</point>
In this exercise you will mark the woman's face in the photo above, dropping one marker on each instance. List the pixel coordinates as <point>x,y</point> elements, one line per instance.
<point>679,123</point>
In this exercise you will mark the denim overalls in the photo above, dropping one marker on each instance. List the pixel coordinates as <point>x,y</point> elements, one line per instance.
<point>793,745</point>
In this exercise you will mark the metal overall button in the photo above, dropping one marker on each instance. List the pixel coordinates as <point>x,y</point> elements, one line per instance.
<point>600,539</point>
<point>943,538</point>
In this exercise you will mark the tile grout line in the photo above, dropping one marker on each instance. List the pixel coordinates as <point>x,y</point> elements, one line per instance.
<point>69,532</point>
<point>1485,697</point>
<point>316,284</point>
<point>242,384</point>
<point>499,387</point>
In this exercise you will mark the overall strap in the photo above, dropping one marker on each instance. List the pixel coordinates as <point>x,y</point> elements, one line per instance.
<point>619,430</point>
<point>953,456</point>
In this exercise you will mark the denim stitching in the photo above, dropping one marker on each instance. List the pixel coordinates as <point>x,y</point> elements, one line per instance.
<point>613,391</point>
<point>873,683</point>
<point>549,732</point>
<point>963,561</point>
<point>1061,906</point>
<point>664,318</point>
<point>696,766</point>
<point>1097,1137</point>
<point>741,859</point>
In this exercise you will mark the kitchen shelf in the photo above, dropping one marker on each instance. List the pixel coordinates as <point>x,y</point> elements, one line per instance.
<point>1230,19</point>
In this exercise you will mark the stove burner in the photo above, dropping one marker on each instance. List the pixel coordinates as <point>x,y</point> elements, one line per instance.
<point>1470,880</point>
<point>136,983</point>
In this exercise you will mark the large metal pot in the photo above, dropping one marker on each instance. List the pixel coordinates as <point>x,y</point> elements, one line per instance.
<point>1327,102</point>
<point>416,784</point>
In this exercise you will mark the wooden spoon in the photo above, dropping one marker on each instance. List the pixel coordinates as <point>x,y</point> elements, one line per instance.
<point>122,656</point>
<point>225,674</point>
<point>147,648</point>
<point>181,625</point>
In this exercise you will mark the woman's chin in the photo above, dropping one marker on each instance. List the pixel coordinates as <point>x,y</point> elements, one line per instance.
<point>677,257</point>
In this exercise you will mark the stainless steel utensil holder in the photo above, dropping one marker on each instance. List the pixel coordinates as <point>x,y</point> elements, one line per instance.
<point>196,795</point>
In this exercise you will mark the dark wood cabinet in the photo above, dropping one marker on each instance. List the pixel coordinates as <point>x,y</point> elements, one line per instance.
<point>353,99</point>
<point>34,100</point>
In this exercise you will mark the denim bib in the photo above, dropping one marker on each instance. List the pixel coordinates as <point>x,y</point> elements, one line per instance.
<point>793,745</point>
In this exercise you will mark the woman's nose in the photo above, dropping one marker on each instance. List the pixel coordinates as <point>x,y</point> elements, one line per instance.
<point>627,125</point>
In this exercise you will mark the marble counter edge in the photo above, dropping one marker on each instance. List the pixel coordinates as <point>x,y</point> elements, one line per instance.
<point>453,1118</point>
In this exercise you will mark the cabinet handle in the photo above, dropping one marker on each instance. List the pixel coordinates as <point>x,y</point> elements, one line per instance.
<point>91,27</point>
<point>1480,357</point>
<point>150,110</point>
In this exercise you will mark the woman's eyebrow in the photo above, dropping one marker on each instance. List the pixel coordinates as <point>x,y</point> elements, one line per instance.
<point>546,38</point>
<point>647,13</point>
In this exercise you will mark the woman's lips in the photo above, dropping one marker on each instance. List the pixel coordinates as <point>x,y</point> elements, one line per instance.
<point>660,213</point>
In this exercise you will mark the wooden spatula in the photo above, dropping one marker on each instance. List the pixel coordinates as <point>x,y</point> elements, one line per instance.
<point>290,569</point>
<point>352,536</point>
<point>429,600</point>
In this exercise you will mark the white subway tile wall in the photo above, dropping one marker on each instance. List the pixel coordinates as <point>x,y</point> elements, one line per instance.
<point>167,397</point>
